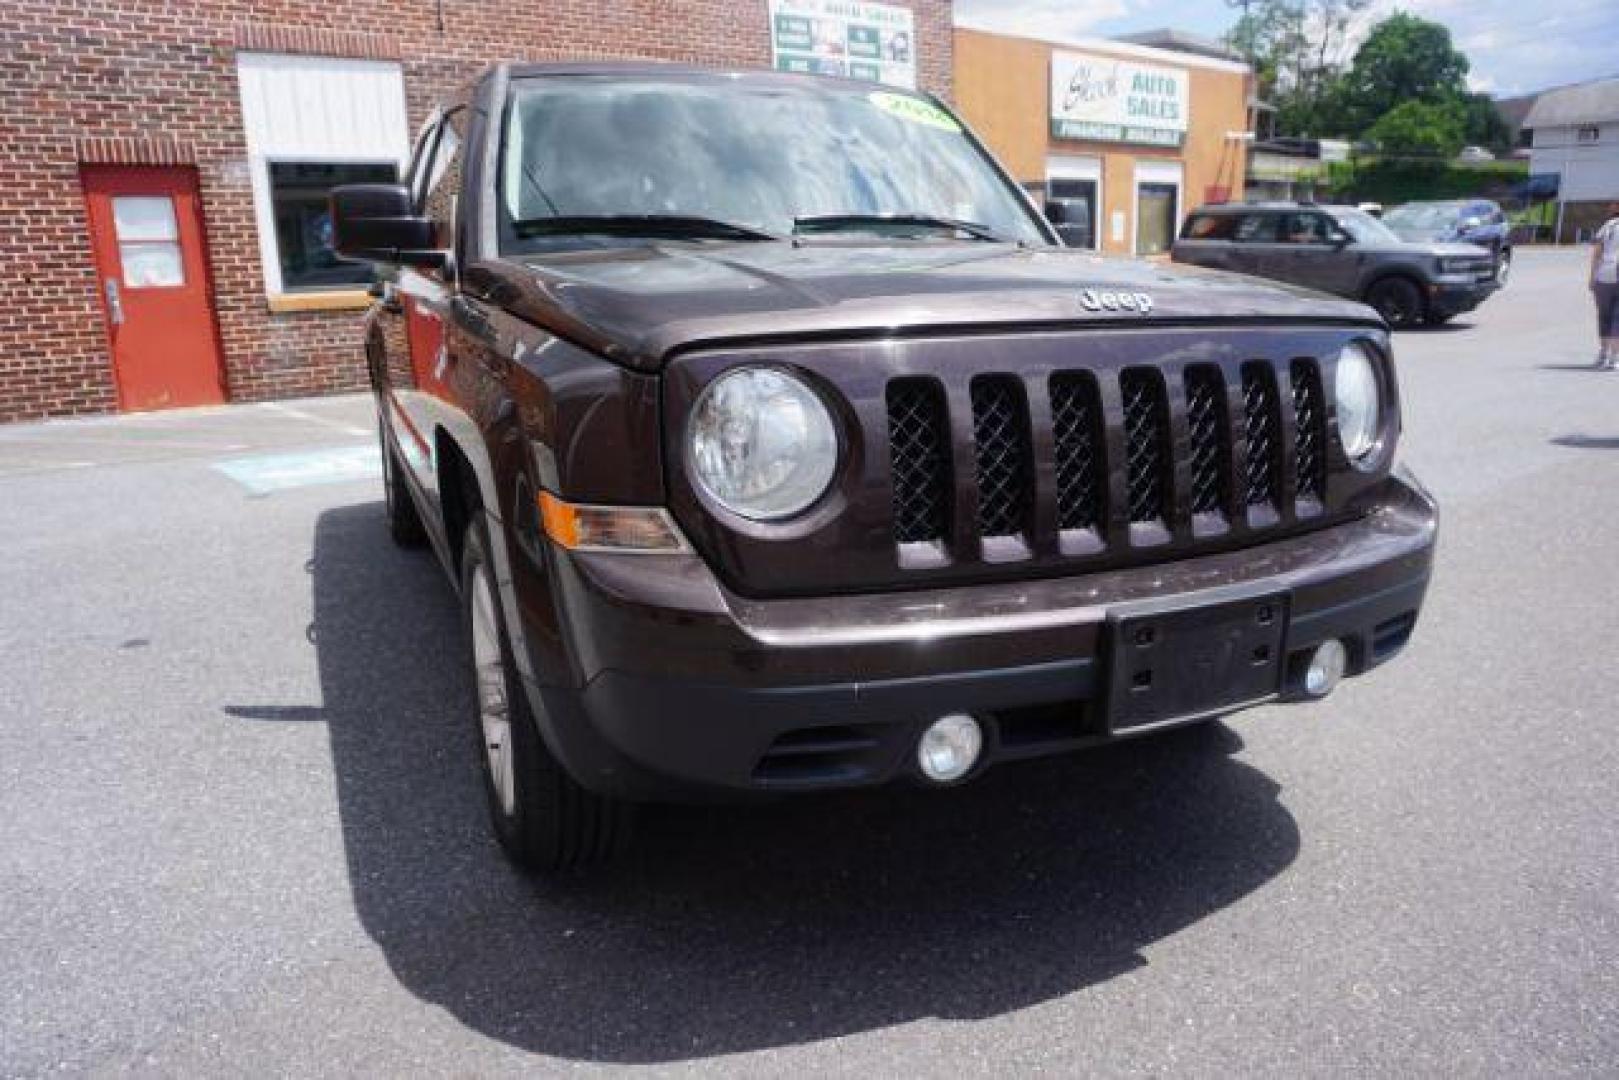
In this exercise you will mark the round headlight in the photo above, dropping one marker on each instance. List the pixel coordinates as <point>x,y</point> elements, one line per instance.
<point>1360,404</point>
<point>761,443</point>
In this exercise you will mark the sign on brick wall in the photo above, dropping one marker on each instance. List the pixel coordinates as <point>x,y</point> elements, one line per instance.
<point>850,38</point>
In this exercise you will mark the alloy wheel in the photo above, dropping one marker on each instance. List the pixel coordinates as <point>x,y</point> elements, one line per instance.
<point>494,712</point>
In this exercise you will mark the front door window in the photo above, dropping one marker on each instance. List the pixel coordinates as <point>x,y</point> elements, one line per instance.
<point>148,242</point>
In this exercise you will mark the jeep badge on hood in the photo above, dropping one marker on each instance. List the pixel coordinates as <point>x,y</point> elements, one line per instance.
<point>1106,300</point>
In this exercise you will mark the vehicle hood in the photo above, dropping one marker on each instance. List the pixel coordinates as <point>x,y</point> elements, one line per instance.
<point>1451,249</point>
<point>640,305</point>
<point>1428,235</point>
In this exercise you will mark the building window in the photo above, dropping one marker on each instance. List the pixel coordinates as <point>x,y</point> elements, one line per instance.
<point>1588,135</point>
<point>313,122</point>
<point>1073,199</point>
<point>148,241</point>
<point>303,227</point>
<point>1076,216</point>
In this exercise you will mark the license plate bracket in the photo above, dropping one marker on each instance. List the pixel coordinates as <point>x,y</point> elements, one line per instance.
<point>1186,663</point>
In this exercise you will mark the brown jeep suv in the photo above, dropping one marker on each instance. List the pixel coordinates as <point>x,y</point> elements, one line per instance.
<point>774,445</point>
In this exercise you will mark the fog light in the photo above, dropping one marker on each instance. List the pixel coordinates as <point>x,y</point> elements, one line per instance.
<point>949,747</point>
<point>1326,668</point>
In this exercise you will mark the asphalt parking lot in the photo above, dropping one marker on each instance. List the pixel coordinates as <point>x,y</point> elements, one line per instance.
<point>241,832</point>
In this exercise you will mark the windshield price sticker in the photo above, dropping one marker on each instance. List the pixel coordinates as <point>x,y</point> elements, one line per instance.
<point>914,110</point>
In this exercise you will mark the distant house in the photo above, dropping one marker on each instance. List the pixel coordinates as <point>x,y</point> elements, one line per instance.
<point>1574,135</point>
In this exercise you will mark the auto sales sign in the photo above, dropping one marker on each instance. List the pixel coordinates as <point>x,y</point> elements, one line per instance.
<point>1103,99</point>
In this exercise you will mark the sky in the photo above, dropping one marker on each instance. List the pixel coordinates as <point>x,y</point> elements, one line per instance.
<point>1514,46</point>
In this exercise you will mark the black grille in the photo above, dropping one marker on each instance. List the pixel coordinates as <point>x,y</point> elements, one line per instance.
<point>1210,440</point>
<point>1146,450</point>
<point>918,444</point>
<point>1000,456</point>
<point>1231,462</point>
<point>1262,433</point>
<point>1309,430</point>
<point>1076,434</point>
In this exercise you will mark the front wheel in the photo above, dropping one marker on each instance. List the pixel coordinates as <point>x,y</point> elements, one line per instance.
<point>543,819</point>
<point>1398,300</point>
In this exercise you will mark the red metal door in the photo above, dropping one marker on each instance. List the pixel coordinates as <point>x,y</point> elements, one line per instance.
<point>152,273</point>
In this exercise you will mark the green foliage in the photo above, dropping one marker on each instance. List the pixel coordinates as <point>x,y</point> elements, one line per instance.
<point>1396,180</point>
<point>1293,47</point>
<point>1418,129</point>
<point>1483,124</point>
<point>1404,59</point>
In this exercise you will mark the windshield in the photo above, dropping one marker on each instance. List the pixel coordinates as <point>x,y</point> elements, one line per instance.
<point>1364,227</point>
<point>761,154</point>
<point>1423,216</point>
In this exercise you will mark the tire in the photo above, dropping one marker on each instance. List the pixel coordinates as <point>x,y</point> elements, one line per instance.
<point>543,819</point>
<point>1503,267</point>
<point>404,522</point>
<point>1399,301</point>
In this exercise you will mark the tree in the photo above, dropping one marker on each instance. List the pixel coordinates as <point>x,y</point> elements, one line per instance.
<point>1484,125</point>
<point>1294,47</point>
<point>1420,129</point>
<point>1404,59</point>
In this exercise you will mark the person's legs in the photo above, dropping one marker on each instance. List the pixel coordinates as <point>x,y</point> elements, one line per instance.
<point>1610,333</point>
<point>1607,304</point>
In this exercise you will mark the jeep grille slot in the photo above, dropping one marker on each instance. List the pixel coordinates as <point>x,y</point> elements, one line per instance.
<point>1000,455</point>
<point>919,454</point>
<point>1076,435</point>
<point>1262,436</point>
<point>1107,462</point>
<point>1208,429</point>
<point>1309,431</point>
<point>1147,460</point>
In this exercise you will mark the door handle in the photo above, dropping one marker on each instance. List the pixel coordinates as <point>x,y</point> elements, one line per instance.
<point>115,306</point>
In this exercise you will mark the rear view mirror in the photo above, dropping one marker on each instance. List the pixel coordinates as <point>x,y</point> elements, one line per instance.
<point>377,223</point>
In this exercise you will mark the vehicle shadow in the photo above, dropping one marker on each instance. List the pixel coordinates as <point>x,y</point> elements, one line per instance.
<point>1587,442</point>
<point>733,928</point>
<point>1588,368</point>
<point>1449,326</point>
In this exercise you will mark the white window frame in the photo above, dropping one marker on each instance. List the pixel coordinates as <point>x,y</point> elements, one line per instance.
<point>1081,167</point>
<point>1156,172</point>
<point>288,118</point>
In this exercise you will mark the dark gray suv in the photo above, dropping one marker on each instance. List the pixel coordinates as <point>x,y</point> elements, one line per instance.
<point>1341,250</point>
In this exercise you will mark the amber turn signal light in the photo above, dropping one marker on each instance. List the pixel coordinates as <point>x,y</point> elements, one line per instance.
<point>629,529</point>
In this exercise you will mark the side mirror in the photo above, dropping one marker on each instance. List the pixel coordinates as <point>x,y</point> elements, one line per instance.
<point>1342,239</point>
<point>377,223</point>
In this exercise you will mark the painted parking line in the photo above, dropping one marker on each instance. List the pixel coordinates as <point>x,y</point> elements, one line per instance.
<point>266,473</point>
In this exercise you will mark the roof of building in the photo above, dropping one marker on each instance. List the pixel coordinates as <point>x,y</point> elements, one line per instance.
<point>1592,102</point>
<point>1110,46</point>
<point>1182,41</point>
<point>1515,110</point>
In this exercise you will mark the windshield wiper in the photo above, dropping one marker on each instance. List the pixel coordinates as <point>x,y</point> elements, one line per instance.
<point>825,223</point>
<point>653,226</point>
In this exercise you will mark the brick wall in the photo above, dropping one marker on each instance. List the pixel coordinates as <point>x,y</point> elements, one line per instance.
<point>154,81</point>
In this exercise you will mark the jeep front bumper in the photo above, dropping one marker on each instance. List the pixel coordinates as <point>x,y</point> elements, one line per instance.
<point>688,690</point>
